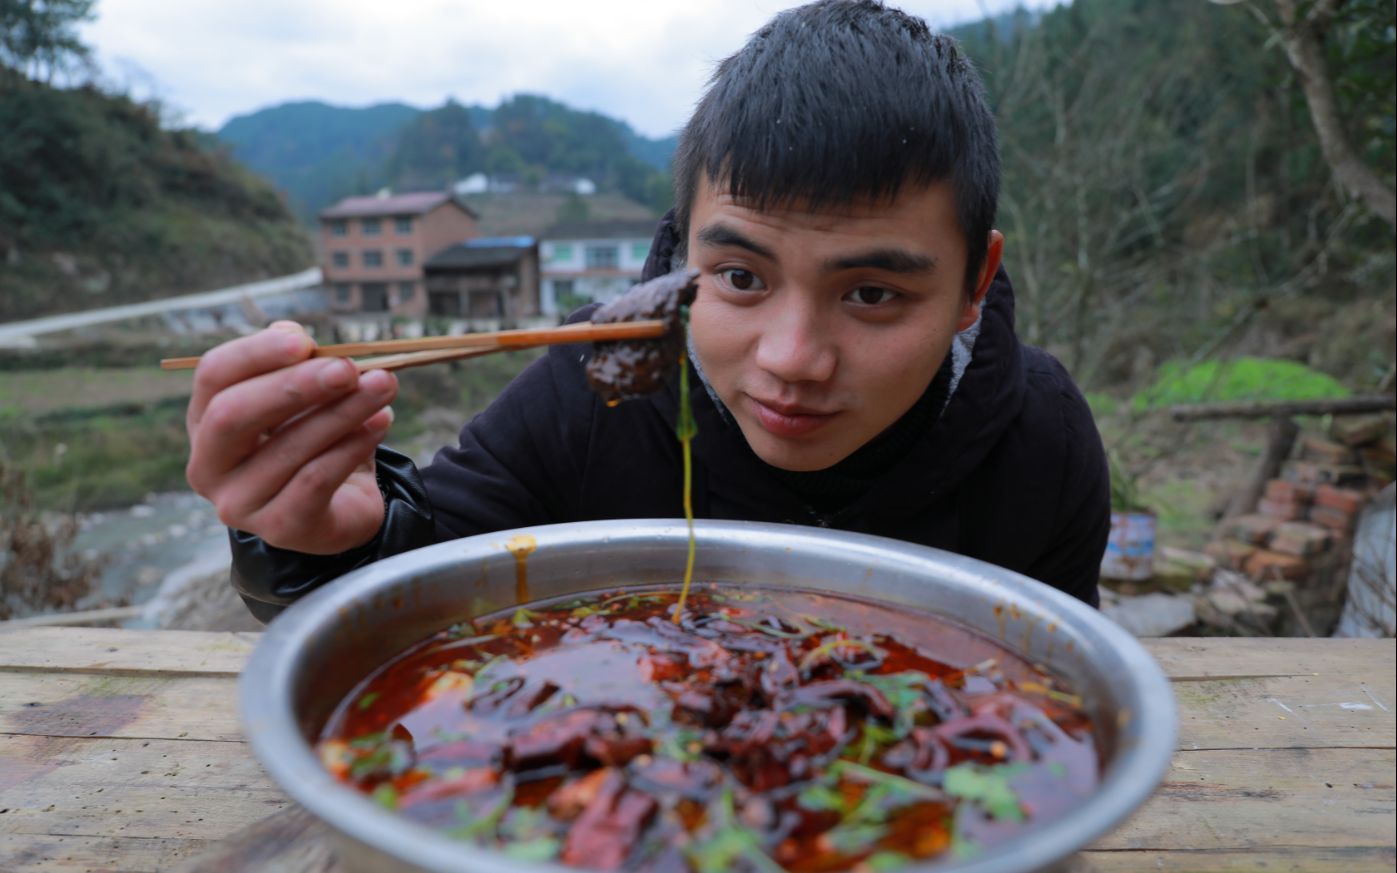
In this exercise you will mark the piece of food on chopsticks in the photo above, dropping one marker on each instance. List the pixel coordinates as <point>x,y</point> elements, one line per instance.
<point>624,369</point>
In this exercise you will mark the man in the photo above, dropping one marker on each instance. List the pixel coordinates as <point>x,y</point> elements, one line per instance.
<point>855,364</point>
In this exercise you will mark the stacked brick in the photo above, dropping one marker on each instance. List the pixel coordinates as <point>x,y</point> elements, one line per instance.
<point>1304,521</point>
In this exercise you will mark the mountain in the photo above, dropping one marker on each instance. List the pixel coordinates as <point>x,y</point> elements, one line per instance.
<point>317,153</point>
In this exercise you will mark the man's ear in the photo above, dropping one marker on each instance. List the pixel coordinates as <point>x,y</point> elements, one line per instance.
<point>994,253</point>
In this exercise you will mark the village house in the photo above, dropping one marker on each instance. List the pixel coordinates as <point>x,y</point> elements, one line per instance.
<point>591,262</point>
<point>484,283</point>
<point>373,249</point>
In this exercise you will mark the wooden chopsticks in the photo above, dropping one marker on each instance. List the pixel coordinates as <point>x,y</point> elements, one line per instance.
<point>399,354</point>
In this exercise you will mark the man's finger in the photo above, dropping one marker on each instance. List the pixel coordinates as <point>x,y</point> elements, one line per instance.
<point>280,345</point>
<point>238,418</point>
<point>317,512</point>
<point>266,471</point>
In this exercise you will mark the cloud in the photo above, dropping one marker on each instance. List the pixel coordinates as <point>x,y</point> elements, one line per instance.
<point>635,59</point>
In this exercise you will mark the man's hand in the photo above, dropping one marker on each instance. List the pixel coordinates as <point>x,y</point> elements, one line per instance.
<point>282,444</point>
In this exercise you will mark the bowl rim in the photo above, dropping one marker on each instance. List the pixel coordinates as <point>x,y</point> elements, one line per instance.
<point>266,687</point>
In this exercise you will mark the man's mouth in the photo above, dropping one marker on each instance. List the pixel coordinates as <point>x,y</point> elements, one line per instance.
<point>788,420</point>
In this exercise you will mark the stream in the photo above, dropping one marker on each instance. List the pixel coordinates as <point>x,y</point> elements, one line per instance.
<point>168,536</point>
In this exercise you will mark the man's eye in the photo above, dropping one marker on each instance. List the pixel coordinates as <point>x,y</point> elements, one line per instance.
<point>870,295</point>
<point>742,280</point>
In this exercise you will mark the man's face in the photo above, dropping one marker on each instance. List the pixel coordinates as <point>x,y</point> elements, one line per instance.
<point>820,329</point>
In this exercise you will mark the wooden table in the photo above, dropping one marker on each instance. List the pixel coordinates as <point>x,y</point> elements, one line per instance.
<point>120,751</point>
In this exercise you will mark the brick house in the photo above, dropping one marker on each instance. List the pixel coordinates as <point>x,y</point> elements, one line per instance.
<point>373,248</point>
<point>593,261</point>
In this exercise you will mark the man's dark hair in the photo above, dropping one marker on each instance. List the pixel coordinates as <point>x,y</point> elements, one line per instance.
<point>841,101</point>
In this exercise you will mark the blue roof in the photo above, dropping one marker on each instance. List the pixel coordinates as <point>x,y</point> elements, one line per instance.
<point>521,242</point>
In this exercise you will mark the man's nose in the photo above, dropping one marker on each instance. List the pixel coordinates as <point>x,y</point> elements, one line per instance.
<point>796,346</point>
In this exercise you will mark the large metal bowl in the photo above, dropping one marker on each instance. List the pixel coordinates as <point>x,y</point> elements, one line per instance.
<point>314,654</point>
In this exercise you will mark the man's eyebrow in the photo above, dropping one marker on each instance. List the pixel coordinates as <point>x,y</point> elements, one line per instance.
<point>722,235</point>
<point>891,260</point>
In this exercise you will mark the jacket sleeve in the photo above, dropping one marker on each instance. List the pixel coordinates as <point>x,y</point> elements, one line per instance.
<point>1072,560</point>
<point>269,579</point>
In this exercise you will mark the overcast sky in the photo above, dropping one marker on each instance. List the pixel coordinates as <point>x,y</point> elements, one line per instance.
<point>644,61</point>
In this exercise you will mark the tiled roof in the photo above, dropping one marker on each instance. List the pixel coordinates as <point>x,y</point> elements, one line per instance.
<point>467,256</point>
<point>618,229</point>
<point>410,203</point>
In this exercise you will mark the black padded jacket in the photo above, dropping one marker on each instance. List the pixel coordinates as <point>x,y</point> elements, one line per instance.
<point>1011,472</point>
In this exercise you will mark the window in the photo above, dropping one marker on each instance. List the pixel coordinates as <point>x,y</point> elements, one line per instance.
<point>640,251</point>
<point>562,288</point>
<point>372,227</point>
<point>340,259</point>
<point>405,257</point>
<point>602,257</point>
<point>373,258</point>
<point>342,290</point>
<point>444,303</point>
<point>406,291</point>
<point>375,297</point>
<point>339,227</point>
<point>402,224</point>
<point>561,252</point>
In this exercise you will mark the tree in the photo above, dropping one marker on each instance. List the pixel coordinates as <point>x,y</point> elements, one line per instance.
<point>435,149</point>
<point>1305,30</point>
<point>38,38</point>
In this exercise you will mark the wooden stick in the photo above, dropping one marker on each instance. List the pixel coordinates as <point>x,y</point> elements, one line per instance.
<point>82,617</point>
<point>582,332</point>
<point>417,359</point>
<point>1342,406</point>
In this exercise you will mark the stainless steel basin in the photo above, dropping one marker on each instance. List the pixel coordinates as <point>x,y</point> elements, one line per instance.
<point>314,653</point>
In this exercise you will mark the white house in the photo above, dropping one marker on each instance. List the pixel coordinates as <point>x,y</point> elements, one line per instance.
<point>588,262</point>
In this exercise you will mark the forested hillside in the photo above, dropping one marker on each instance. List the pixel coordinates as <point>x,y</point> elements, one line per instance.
<point>1166,195</point>
<point>318,153</point>
<point>100,203</point>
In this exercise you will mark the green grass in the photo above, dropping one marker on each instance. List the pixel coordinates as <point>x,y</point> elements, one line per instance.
<point>1240,379</point>
<point>42,392</point>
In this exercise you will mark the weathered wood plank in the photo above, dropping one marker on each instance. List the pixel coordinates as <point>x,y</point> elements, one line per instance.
<point>1356,710</point>
<point>115,650</point>
<point>288,842</point>
<point>1301,711</point>
<point>1278,860</point>
<point>1265,799</point>
<point>148,705</point>
<point>112,650</point>
<point>131,788</point>
<point>1186,658</point>
<point>1270,712</point>
<point>49,853</point>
